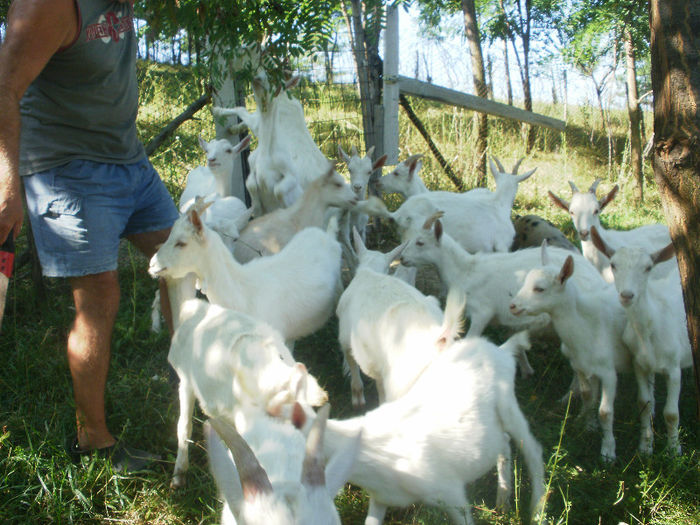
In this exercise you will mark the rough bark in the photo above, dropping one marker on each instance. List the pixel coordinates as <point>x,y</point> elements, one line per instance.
<point>675,74</point>
<point>479,78</point>
<point>634,113</point>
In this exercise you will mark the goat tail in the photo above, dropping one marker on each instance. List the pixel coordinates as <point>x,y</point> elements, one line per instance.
<point>516,426</point>
<point>453,318</point>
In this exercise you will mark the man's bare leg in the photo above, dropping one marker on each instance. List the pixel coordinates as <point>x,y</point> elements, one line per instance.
<point>96,299</point>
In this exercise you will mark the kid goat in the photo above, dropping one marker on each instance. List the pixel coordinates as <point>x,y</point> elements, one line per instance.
<point>656,330</point>
<point>449,429</point>
<point>294,290</point>
<point>590,325</point>
<point>225,358</point>
<point>390,329</point>
<point>269,475</point>
<point>585,209</point>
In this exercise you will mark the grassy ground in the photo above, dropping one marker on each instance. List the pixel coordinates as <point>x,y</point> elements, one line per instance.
<point>39,485</point>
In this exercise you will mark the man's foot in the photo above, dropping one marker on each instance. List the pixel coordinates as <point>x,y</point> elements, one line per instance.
<point>124,460</point>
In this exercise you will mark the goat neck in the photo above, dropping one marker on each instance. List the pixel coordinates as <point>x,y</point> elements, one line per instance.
<point>454,262</point>
<point>219,272</point>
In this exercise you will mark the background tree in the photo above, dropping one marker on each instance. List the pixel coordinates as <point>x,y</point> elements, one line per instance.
<point>431,13</point>
<point>675,74</point>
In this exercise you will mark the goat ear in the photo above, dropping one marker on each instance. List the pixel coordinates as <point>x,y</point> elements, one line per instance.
<point>610,196</point>
<point>312,473</point>
<point>438,230</point>
<point>525,175</point>
<point>394,254</point>
<point>379,163</point>
<point>354,151</point>
<point>599,243</point>
<point>242,145</point>
<point>195,220</point>
<point>545,253</point>
<point>292,82</point>
<point>252,475</point>
<point>558,201</point>
<point>298,417</point>
<point>567,270</point>
<point>342,154</point>
<point>664,254</point>
<point>360,248</point>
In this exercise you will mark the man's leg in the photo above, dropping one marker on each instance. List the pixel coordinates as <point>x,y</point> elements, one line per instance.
<point>148,243</point>
<point>96,300</point>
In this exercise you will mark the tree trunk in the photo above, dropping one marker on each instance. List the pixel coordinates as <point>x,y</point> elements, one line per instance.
<point>479,77</point>
<point>635,117</point>
<point>675,75</point>
<point>509,86</point>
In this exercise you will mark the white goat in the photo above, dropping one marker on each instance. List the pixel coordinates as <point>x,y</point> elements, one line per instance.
<point>590,326</point>
<point>224,358</point>
<point>656,331</point>
<point>360,169</point>
<point>479,220</point>
<point>585,209</point>
<point>268,475</point>
<point>449,429</point>
<point>286,159</point>
<point>268,234</point>
<point>215,177</point>
<point>294,291</point>
<point>490,280</point>
<point>404,179</point>
<point>390,329</point>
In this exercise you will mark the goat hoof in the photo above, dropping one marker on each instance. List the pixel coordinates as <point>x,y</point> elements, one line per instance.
<point>645,449</point>
<point>177,482</point>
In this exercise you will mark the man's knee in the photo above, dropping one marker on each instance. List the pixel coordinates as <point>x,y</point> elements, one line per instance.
<point>148,242</point>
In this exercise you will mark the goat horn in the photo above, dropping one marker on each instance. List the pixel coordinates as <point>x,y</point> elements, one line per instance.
<point>354,150</point>
<point>574,189</point>
<point>498,163</point>
<point>252,475</point>
<point>594,186</point>
<point>312,473</point>
<point>514,171</point>
<point>431,220</point>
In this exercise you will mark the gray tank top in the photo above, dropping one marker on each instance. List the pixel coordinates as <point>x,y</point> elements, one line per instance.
<point>83,104</point>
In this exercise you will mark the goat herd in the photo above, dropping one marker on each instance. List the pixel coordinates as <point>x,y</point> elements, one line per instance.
<point>448,410</point>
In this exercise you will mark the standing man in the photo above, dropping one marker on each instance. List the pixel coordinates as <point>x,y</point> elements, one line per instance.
<point>68,104</point>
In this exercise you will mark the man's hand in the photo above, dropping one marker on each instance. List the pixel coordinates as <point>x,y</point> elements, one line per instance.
<point>11,212</point>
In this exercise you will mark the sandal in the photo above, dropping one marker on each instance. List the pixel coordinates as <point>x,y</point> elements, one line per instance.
<point>124,460</point>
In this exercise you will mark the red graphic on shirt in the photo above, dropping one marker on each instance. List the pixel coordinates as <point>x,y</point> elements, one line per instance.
<point>110,28</point>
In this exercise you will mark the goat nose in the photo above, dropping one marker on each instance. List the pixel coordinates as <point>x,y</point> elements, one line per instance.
<point>626,296</point>
<point>583,234</point>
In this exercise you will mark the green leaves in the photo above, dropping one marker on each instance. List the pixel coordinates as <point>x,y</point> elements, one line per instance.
<point>285,29</point>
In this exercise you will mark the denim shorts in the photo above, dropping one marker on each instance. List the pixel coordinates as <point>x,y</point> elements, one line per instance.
<point>80,210</point>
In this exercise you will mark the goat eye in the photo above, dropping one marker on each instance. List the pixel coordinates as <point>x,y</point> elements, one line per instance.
<point>419,243</point>
<point>612,266</point>
<point>338,185</point>
<point>647,269</point>
<point>229,150</point>
<point>180,244</point>
<point>537,289</point>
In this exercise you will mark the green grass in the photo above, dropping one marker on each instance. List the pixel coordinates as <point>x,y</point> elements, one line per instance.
<point>39,485</point>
